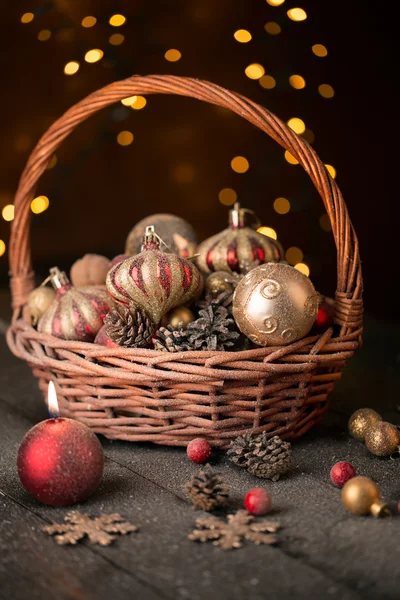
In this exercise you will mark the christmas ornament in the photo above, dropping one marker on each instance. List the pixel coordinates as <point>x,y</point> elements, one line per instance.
<point>360,495</point>
<point>119,258</point>
<point>178,236</point>
<point>181,314</point>
<point>263,457</point>
<point>234,248</point>
<point>222,299</point>
<point>103,339</point>
<point>199,450</point>
<point>230,534</point>
<point>76,313</point>
<point>154,280</point>
<point>207,491</point>
<point>221,281</point>
<point>92,269</point>
<point>39,301</point>
<point>361,420</point>
<point>171,340</point>
<point>213,330</point>
<point>275,305</point>
<point>258,501</point>
<point>129,327</point>
<point>341,472</point>
<point>324,318</point>
<point>97,530</point>
<point>382,438</point>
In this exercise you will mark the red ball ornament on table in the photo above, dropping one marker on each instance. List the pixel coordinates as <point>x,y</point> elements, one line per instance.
<point>199,450</point>
<point>341,472</point>
<point>258,501</point>
<point>60,461</point>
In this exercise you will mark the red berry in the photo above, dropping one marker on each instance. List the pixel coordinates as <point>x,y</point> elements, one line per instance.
<point>342,472</point>
<point>258,501</point>
<point>199,450</point>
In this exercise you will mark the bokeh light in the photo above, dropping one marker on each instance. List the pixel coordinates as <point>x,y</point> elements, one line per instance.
<point>94,55</point>
<point>89,22</point>
<point>227,196</point>
<point>297,125</point>
<point>2,247</point>
<point>268,231</point>
<point>240,164</point>
<point>116,39</point>
<point>272,28</point>
<point>275,2</point>
<point>71,67</point>
<point>290,158</point>
<point>332,171</point>
<point>172,55</point>
<point>44,35</point>
<point>297,82</point>
<point>267,82</point>
<point>129,100</point>
<point>281,206</point>
<point>297,14</point>
<point>27,17</point>
<point>254,71</point>
<point>325,222</point>
<point>117,20</point>
<point>242,35</point>
<point>138,102</point>
<point>125,138</point>
<point>303,268</point>
<point>294,255</point>
<point>8,212</point>
<point>326,90</point>
<point>39,204</point>
<point>319,50</point>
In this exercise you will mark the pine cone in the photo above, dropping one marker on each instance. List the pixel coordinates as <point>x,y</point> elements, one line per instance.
<point>212,330</point>
<point>222,299</point>
<point>171,340</point>
<point>263,457</point>
<point>206,491</point>
<point>129,327</point>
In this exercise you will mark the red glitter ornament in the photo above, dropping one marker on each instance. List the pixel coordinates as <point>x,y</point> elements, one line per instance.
<point>199,450</point>
<point>103,339</point>
<point>119,258</point>
<point>324,318</point>
<point>341,472</point>
<point>258,501</point>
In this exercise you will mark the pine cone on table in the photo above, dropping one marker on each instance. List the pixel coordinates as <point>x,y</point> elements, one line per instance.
<point>129,327</point>
<point>171,340</point>
<point>213,330</point>
<point>263,457</point>
<point>222,299</point>
<point>207,491</point>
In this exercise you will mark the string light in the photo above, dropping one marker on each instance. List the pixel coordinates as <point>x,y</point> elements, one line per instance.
<point>272,28</point>
<point>297,14</point>
<point>117,20</point>
<point>44,35</point>
<point>268,231</point>
<point>297,125</point>
<point>227,196</point>
<point>267,82</point>
<point>172,55</point>
<point>282,206</point>
<point>297,82</point>
<point>326,90</point>
<point>89,22</point>
<point>290,158</point>
<point>254,71</point>
<point>325,222</point>
<point>275,2</point>
<point>94,55</point>
<point>27,17</point>
<point>319,50</point>
<point>39,204</point>
<point>332,171</point>
<point>303,268</point>
<point>242,35</point>
<point>71,68</point>
<point>240,164</point>
<point>294,255</point>
<point>2,247</point>
<point>8,212</point>
<point>309,136</point>
<point>125,138</point>
<point>52,162</point>
<point>116,39</point>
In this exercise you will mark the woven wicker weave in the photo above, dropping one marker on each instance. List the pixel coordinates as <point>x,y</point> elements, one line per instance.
<point>145,395</point>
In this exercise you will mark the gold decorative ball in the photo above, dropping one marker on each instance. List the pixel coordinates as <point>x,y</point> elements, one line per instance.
<point>361,420</point>
<point>359,494</point>
<point>382,439</point>
<point>39,301</point>
<point>275,304</point>
<point>181,314</point>
<point>218,282</point>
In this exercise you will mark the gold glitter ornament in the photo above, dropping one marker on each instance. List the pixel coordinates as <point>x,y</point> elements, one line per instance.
<point>219,282</point>
<point>178,235</point>
<point>39,301</point>
<point>382,439</point>
<point>275,305</point>
<point>360,421</point>
<point>360,495</point>
<point>181,314</point>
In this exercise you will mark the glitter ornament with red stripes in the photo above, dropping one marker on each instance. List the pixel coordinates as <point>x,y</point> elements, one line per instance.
<point>153,280</point>
<point>234,248</point>
<point>76,313</point>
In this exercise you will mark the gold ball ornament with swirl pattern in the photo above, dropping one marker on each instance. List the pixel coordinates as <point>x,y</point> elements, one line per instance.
<point>275,305</point>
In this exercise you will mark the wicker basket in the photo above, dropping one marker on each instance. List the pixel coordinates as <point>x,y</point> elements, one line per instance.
<point>145,395</point>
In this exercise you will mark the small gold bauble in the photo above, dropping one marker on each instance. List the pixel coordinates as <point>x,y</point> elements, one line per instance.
<point>219,282</point>
<point>382,439</point>
<point>39,301</point>
<point>275,305</point>
<point>181,314</point>
<point>360,495</point>
<point>361,420</point>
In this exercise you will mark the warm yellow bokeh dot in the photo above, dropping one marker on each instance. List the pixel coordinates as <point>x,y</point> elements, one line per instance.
<point>227,196</point>
<point>290,158</point>
<point>275,2</point>
<point>297,125</point>
<point>325,222</point>
<point>254,71</point>
<point>124,138</point>
<point>297,14</point>
<point>297,82</point>
<point>52,162</point>
<point>117,20</point>
<point>294,255</point>
<point>94,55</point>
<point>303,268</point>
<point>267,82</point>
<point>309,136</point>
<point>89,22</point>
<point>116,39</point>
<point>44,35</point>
<point>242,35</point>
<point>2,247</point>
<point>240,164</point>
<point>27,17</point>
<point>172,55</point>
<point>332,171</point>
<point>39,204</point>
<point>139,102</point>
<point>71,68</point>
<point>281,206</point>
<point>326,90</point>
<point>128,101</point>
<point>272,28</point>
<point>268,231</point>
<point>319,50</point>
<point>8,212</point>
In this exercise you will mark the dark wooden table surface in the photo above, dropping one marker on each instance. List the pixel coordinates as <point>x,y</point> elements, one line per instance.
<point>324,552</point>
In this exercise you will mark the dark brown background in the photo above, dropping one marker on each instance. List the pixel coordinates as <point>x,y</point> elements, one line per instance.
<point>99,189</point>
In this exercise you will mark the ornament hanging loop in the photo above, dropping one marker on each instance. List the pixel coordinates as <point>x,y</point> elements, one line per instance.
<point>239,217</point>
<point>152,241</point>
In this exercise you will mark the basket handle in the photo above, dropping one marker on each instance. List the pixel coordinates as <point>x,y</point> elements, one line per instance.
<point>349,277</point>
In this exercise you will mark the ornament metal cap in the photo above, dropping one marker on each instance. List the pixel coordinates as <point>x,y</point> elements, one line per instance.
<point>243,217</point>
<point>380,509</point>
<point>151,241</point>
<point>58,278</point>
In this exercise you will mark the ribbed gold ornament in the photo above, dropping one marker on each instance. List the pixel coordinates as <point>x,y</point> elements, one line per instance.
<point>382,439</point>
